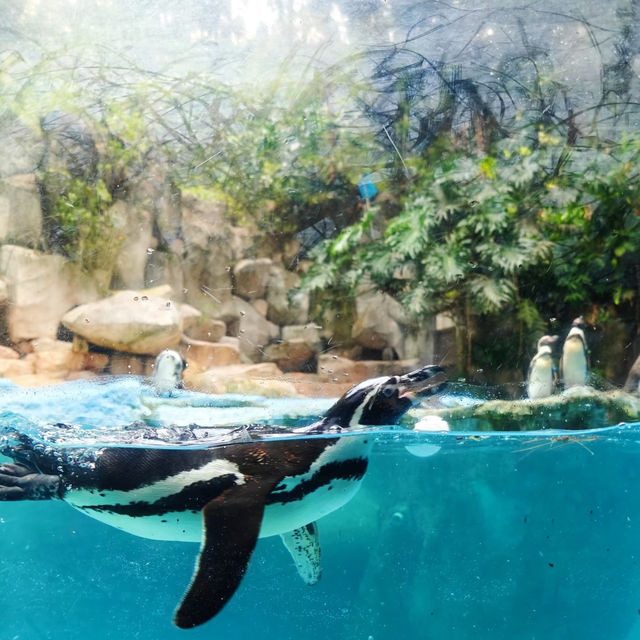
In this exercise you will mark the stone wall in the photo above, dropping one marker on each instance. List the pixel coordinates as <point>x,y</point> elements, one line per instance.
<point>184,277</point>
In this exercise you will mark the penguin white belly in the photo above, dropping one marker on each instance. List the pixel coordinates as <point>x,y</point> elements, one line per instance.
<point>574,364</point>
<point>281,517</point>
<point>540,383</point>
<point>296,501</point>
<point>180,526</point>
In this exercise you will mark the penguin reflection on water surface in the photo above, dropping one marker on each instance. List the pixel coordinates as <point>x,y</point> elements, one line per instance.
<point>574,362</point>
<point>542,377</point>
<point>225,496</point>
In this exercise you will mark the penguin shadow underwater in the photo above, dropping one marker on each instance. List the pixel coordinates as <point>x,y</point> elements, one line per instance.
<point>544,378</point>
<point>262,481</point>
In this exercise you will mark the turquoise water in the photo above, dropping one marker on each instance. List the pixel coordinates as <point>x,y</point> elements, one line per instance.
<point>500,536</point>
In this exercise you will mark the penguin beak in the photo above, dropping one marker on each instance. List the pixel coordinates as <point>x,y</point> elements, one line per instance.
<point>425,382</point>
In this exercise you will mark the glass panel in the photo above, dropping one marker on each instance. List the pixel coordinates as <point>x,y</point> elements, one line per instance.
<point>251,250</point>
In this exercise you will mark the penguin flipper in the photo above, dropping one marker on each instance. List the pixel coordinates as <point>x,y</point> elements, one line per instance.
<point>304,547</point>
<point>231,525</point>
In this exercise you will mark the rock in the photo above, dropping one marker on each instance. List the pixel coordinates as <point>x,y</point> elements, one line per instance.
<point>95,361</point>
<point>190,318</point>
<point>164,267</point>
<point>212,245</point>
<point>41,289</point>
<point>25,146</point>
<point>20,211</point>
<point>378,323</point>
<point>251,278</point>
<point>7,353</point>
<point>211,354</point>
<point>4,291</point>
<point>56,358</point>
<point>134,228</point>
<point>261,379</point>
<point>261,306</point>
<point>128,321</point>
<point>290,355</point>
<point>207,329</point>
<point>310,333</point>
<point>286,307</point>
<point>10,367</point>
<point>254,331</point>
<point>339,369</point>
<point>580,408</point>
<point>122,364</point>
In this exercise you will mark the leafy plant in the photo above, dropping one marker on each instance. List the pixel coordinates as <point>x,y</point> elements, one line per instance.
<point>85,229</point>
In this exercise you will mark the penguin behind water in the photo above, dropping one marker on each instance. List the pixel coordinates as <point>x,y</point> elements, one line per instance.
<point>266,481</point>
<point>574,362</point>
<point>167,372</point>
<point>632,384</point>
<point>542,377</point>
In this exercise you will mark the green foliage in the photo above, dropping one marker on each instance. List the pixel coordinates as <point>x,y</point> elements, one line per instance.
<point>85,229</point>
<point>284,157</point>
<point>593,220</point>
<point>468,228</point>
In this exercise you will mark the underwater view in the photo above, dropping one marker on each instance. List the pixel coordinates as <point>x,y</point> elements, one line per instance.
<point>522,534</point>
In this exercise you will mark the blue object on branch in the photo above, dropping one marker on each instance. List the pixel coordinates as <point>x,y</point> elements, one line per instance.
<point>368,189</point>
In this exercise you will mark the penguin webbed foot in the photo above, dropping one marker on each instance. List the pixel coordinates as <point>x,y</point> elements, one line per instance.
<point>20,482</point>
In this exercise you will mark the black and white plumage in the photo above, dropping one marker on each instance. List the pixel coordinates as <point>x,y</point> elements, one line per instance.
<point>542,377</point>
<point>167,372</point>
<point>226,496</point>
<point>574,362</point>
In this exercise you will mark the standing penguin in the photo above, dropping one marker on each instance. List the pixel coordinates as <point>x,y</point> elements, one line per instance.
<point>632,384</point>
<point>543,376</point>
<point>574,363</point>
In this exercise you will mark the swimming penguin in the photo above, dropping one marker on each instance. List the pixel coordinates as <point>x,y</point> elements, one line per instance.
<point>167,372</point>
<point>225,496</point>
<point>542,377</point>
<point>574,362</point>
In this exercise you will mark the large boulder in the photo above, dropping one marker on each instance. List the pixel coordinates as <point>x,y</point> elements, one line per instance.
<point>206,329</point>
<point>20,211</point>
<point>128,321</point>
<point>253,330</point>
<point>134,227</point>
<point>290,355</point>
<point>212,246</point>
<point>262,379</point>
<point>251,277</point>
<point>205,355</point>
<point>41,289</point>
<point>379,323</point>
<point>286,307</point>
<point>56,358</point>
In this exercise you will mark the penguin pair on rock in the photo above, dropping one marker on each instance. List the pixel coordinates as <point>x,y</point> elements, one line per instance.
<point>574,363</point>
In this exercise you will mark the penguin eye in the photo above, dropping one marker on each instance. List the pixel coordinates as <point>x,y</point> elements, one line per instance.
<point>387,392</point>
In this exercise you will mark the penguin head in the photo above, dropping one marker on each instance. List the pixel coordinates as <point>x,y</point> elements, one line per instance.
<point>383,401</point>
<point>547,343</point>
<point>167,371</point>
